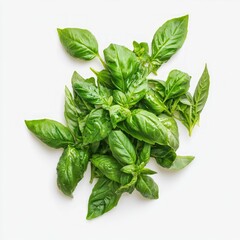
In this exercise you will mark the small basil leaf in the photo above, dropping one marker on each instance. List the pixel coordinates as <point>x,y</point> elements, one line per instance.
<point>201,92</point>
<point>120,98</point>
<point>52,133</point>
<point>103,198</point>
<point>118,114</point>
<point>137,89</point>
<point>71,113</point>
<point>142,51</point>
<point>122,64</point>
<point>177,84</point>
<point>145,153</point>
<point>158,86</point>
<point>121,147</point>
<point>86,89</point>
<point>168,39</point>
<point>145,126</point>
<point>71,168</point>
<point>172,130</point>
<point>108,166</point>
<point>164,155</point>
<point>154,102</point>
<point>79,43</point>
<point>147,187</point>
<point>147,171</point>
<point>181,162</point>
<point>97,126</point>
<point>129,169</point>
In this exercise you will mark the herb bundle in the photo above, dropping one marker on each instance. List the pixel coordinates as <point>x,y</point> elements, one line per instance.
<point>119,119</point>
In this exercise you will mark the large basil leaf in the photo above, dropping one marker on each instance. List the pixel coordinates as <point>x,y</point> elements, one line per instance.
<point>168,39</point>
<point>103,198</point>
<point>79,43</point>
<point>87,90</point>
<point>201,92</point>
<point>121,147</point>
<point>97,126</point>
<point>52,133</point>
<point>153,102</point>
<point>164,155</point>
<point>147,187</point>
<point>71,113</point>
<point>122,64</point>
<point>71,168</point>
<point>118,114</point>
<point>171,125</point>
<point>177,84</point>
<point>145,126</point>
<point>181,162</point>
<point>108,166</point>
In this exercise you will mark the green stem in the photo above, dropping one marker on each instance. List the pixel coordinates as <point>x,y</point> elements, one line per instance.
<point>102,61</point>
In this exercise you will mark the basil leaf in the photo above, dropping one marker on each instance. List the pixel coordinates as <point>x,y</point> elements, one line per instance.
<point>79,43</point>
<point>137,89</point>
<point>108,166</point>
<point>201,92</point>
<point>122,64</point>
<point>120,98</point>
<point>52,133</point>
<point>164,155</point>
<point>144,155</point>
<point>71,113</point>
<point>147,187</point>
<point>129,169</point>
<point>103,198</point>
<point>157,86</point>
<point>181,162</point>
<point>172,130</point>
<point>154,102</point>
<point>121,147</point>
<point>118,114</point>
<point>177,84</point>
<point>97,126</point>
<point>86,89</point>
<point>168,39</point>
<point>104,78</point>
<point>142,51</point>
<point>71,168</point>
<point>145,126</point>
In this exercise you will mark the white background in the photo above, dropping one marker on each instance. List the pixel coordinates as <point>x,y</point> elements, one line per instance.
<point>200,202</point>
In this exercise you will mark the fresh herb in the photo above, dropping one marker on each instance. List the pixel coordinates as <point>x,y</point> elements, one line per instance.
<point>120,119</point>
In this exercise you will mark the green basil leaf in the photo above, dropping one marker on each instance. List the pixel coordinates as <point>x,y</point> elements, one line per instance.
<point>104,78</point>
<point>157,86</point>
<point>71,168</point>
<point>171,125</point>
<point>97,126</point>
<point>129,169</point>
<point>118,114</point>
<point>201,92</point>
<point>147,187</point>
<point>79,43</point>
<point>71,113</point>
<point>154,102</point>
<point>137,89</point>
<point>86,89</point>
<point>147,171</point>
<point>145,126</point>
<point>164,155</point>
<point>120,98</point>
<point>122,64</point>
<point>121,147</point>
<point>103,198</point>
<point>168,39</point>
<point>145,153</point>
<point>52,133</point>
<point>142,51</point>
<point>108,166</point>
<point>177,84</point>
<point>181,162</point>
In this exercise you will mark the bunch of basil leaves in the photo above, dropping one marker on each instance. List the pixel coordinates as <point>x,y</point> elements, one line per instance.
<point>119,119</point>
